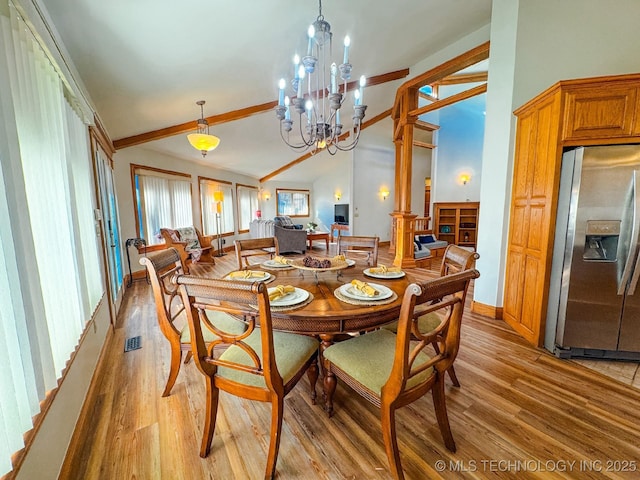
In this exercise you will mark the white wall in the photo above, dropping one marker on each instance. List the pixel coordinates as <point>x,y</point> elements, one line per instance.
<point>459,151</point>
<point>373,171</point>
<point>338,180</point>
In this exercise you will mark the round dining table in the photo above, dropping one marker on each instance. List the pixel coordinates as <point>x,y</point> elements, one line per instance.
<point>329,315</point>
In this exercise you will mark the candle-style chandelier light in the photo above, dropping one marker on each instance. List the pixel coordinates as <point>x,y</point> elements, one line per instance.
<point>318,96</point>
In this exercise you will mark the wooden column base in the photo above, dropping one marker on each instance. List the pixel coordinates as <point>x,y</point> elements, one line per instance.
<point>404,240</point>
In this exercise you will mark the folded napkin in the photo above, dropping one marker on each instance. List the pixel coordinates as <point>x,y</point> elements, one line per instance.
<point>247,274</point>
<point>384,269</point>
<point>340,258</point>
<point>364,287</point>
<point>282,260</point>
<point>280,291</point>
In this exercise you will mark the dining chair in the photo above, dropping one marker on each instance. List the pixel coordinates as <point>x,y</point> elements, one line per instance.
<point>162,266</point>
<point>392,371</point>
<point>367,246</point>
<point>255,246</point>
<point>259,364</point>
<point>455,259</point>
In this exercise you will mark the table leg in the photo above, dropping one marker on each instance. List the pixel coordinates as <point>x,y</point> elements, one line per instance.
<point>326,242</point>
<point>329,379</point>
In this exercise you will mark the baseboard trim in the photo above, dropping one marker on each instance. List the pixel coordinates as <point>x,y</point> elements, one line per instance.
<point>486,310</point>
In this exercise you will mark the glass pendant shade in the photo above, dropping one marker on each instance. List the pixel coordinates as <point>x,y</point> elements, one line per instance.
<point>203,142</point>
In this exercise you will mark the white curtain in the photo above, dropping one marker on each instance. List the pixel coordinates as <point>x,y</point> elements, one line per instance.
<point>209,207</point>
<point>166,203</point>
<point>50,280</point>
<point>247,206</point>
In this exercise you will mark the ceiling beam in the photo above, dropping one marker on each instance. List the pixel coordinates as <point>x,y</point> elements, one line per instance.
<point>445,102</point>
<point>464,78</point>
<point>308,155</point>
<point>238,114</point>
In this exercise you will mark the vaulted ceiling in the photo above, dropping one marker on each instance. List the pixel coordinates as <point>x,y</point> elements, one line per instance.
<point>145,63</point>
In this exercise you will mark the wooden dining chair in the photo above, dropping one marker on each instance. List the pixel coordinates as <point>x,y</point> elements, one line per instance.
<point>259,364</point>
<point>361,245</point>
<point>255,246</point>
<point>392,371</point>
<point>162,266</point>
<point>455,259</point>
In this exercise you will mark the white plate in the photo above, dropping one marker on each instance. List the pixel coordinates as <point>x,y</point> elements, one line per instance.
<point>350,262</point>
<point>268,276</point>
<point>350,291</point>
<point>292,298</point>
<point>274,264</point>
<point>387,275</point>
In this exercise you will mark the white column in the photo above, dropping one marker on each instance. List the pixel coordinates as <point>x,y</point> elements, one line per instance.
<point>497,155</point>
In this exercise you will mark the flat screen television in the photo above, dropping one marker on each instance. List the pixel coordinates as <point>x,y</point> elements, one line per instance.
<point>341,213</point>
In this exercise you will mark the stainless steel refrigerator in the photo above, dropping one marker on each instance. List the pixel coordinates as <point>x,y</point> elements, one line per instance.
<point>594,305</point>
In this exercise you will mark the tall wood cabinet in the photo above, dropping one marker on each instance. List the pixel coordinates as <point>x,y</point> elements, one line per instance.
<point>457,222</point>
<point>596,111</point>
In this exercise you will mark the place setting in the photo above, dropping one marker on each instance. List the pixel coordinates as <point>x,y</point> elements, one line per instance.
<point>250,276</point>
<point>358,292</point>
<point>384,272</point>
<point>288,297</point>
<point>278,263</point>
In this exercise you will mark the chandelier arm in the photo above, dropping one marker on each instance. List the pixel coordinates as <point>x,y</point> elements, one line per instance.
<point>286,140</point>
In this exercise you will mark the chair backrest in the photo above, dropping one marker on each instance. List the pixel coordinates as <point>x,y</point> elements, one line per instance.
<point>360,244</point>
<point>202,295</point>
<point>444,294</point>
<point>457,259</point>
<point>162,265</point>
<point>254,246</point>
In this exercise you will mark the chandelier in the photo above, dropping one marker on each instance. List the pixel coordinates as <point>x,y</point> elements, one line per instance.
<point>202,140</point>
<point>318,97</point>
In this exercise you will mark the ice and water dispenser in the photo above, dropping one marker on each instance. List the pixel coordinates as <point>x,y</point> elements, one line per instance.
<point>601,241</point>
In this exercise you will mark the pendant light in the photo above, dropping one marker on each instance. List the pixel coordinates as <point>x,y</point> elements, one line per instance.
<point>202,140</point>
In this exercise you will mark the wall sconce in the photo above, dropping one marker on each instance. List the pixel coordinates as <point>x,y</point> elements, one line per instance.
<point>465,178</point>
<point>267,196</point>
<point>338,196</point>
<point>384,194</point>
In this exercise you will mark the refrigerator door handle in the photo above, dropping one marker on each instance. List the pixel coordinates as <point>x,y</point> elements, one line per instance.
<point>631,271</point>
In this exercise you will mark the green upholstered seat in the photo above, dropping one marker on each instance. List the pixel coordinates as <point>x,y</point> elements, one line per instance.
<point>369,358</point>
<point>292,352</point>
<point>221,320</point>
<point>426,323</point>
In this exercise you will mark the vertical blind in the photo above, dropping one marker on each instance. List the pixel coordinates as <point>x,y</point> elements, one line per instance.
<point>165,202</point>
<point>247,206</point>
<point>50,277</point>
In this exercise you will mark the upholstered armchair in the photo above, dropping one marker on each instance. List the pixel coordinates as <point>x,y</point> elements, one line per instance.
<point>190,244</point>
<point>291,237</point>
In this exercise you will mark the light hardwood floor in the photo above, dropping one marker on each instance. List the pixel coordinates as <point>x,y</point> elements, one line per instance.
<point>520,413</point>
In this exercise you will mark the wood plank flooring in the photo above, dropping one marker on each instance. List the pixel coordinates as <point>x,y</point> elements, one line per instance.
<point>520,413</point>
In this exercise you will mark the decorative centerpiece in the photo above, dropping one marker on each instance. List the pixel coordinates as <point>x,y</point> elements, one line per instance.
<point>311,227</point>
<point>318,265</point>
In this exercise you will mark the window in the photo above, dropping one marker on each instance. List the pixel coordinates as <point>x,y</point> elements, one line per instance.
<point>163,200</point>
<point>50,280</point>
<point>209,206</point>
<point>247,206</point>
<point>294,203</point>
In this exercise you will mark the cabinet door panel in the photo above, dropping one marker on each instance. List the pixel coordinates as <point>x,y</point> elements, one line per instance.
<point>601,112</point>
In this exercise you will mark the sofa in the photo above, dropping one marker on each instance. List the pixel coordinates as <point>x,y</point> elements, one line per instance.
<point>427,246</point>
<point>291,238</point>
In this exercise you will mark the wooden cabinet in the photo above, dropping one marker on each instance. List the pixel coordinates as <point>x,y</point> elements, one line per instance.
<point>457,222</point>
<point>598,111</point>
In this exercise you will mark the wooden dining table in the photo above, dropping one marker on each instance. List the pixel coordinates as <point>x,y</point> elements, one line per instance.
<point>326,315</point>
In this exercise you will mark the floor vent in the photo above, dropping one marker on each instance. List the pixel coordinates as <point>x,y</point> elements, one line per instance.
<point>132,343</point>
